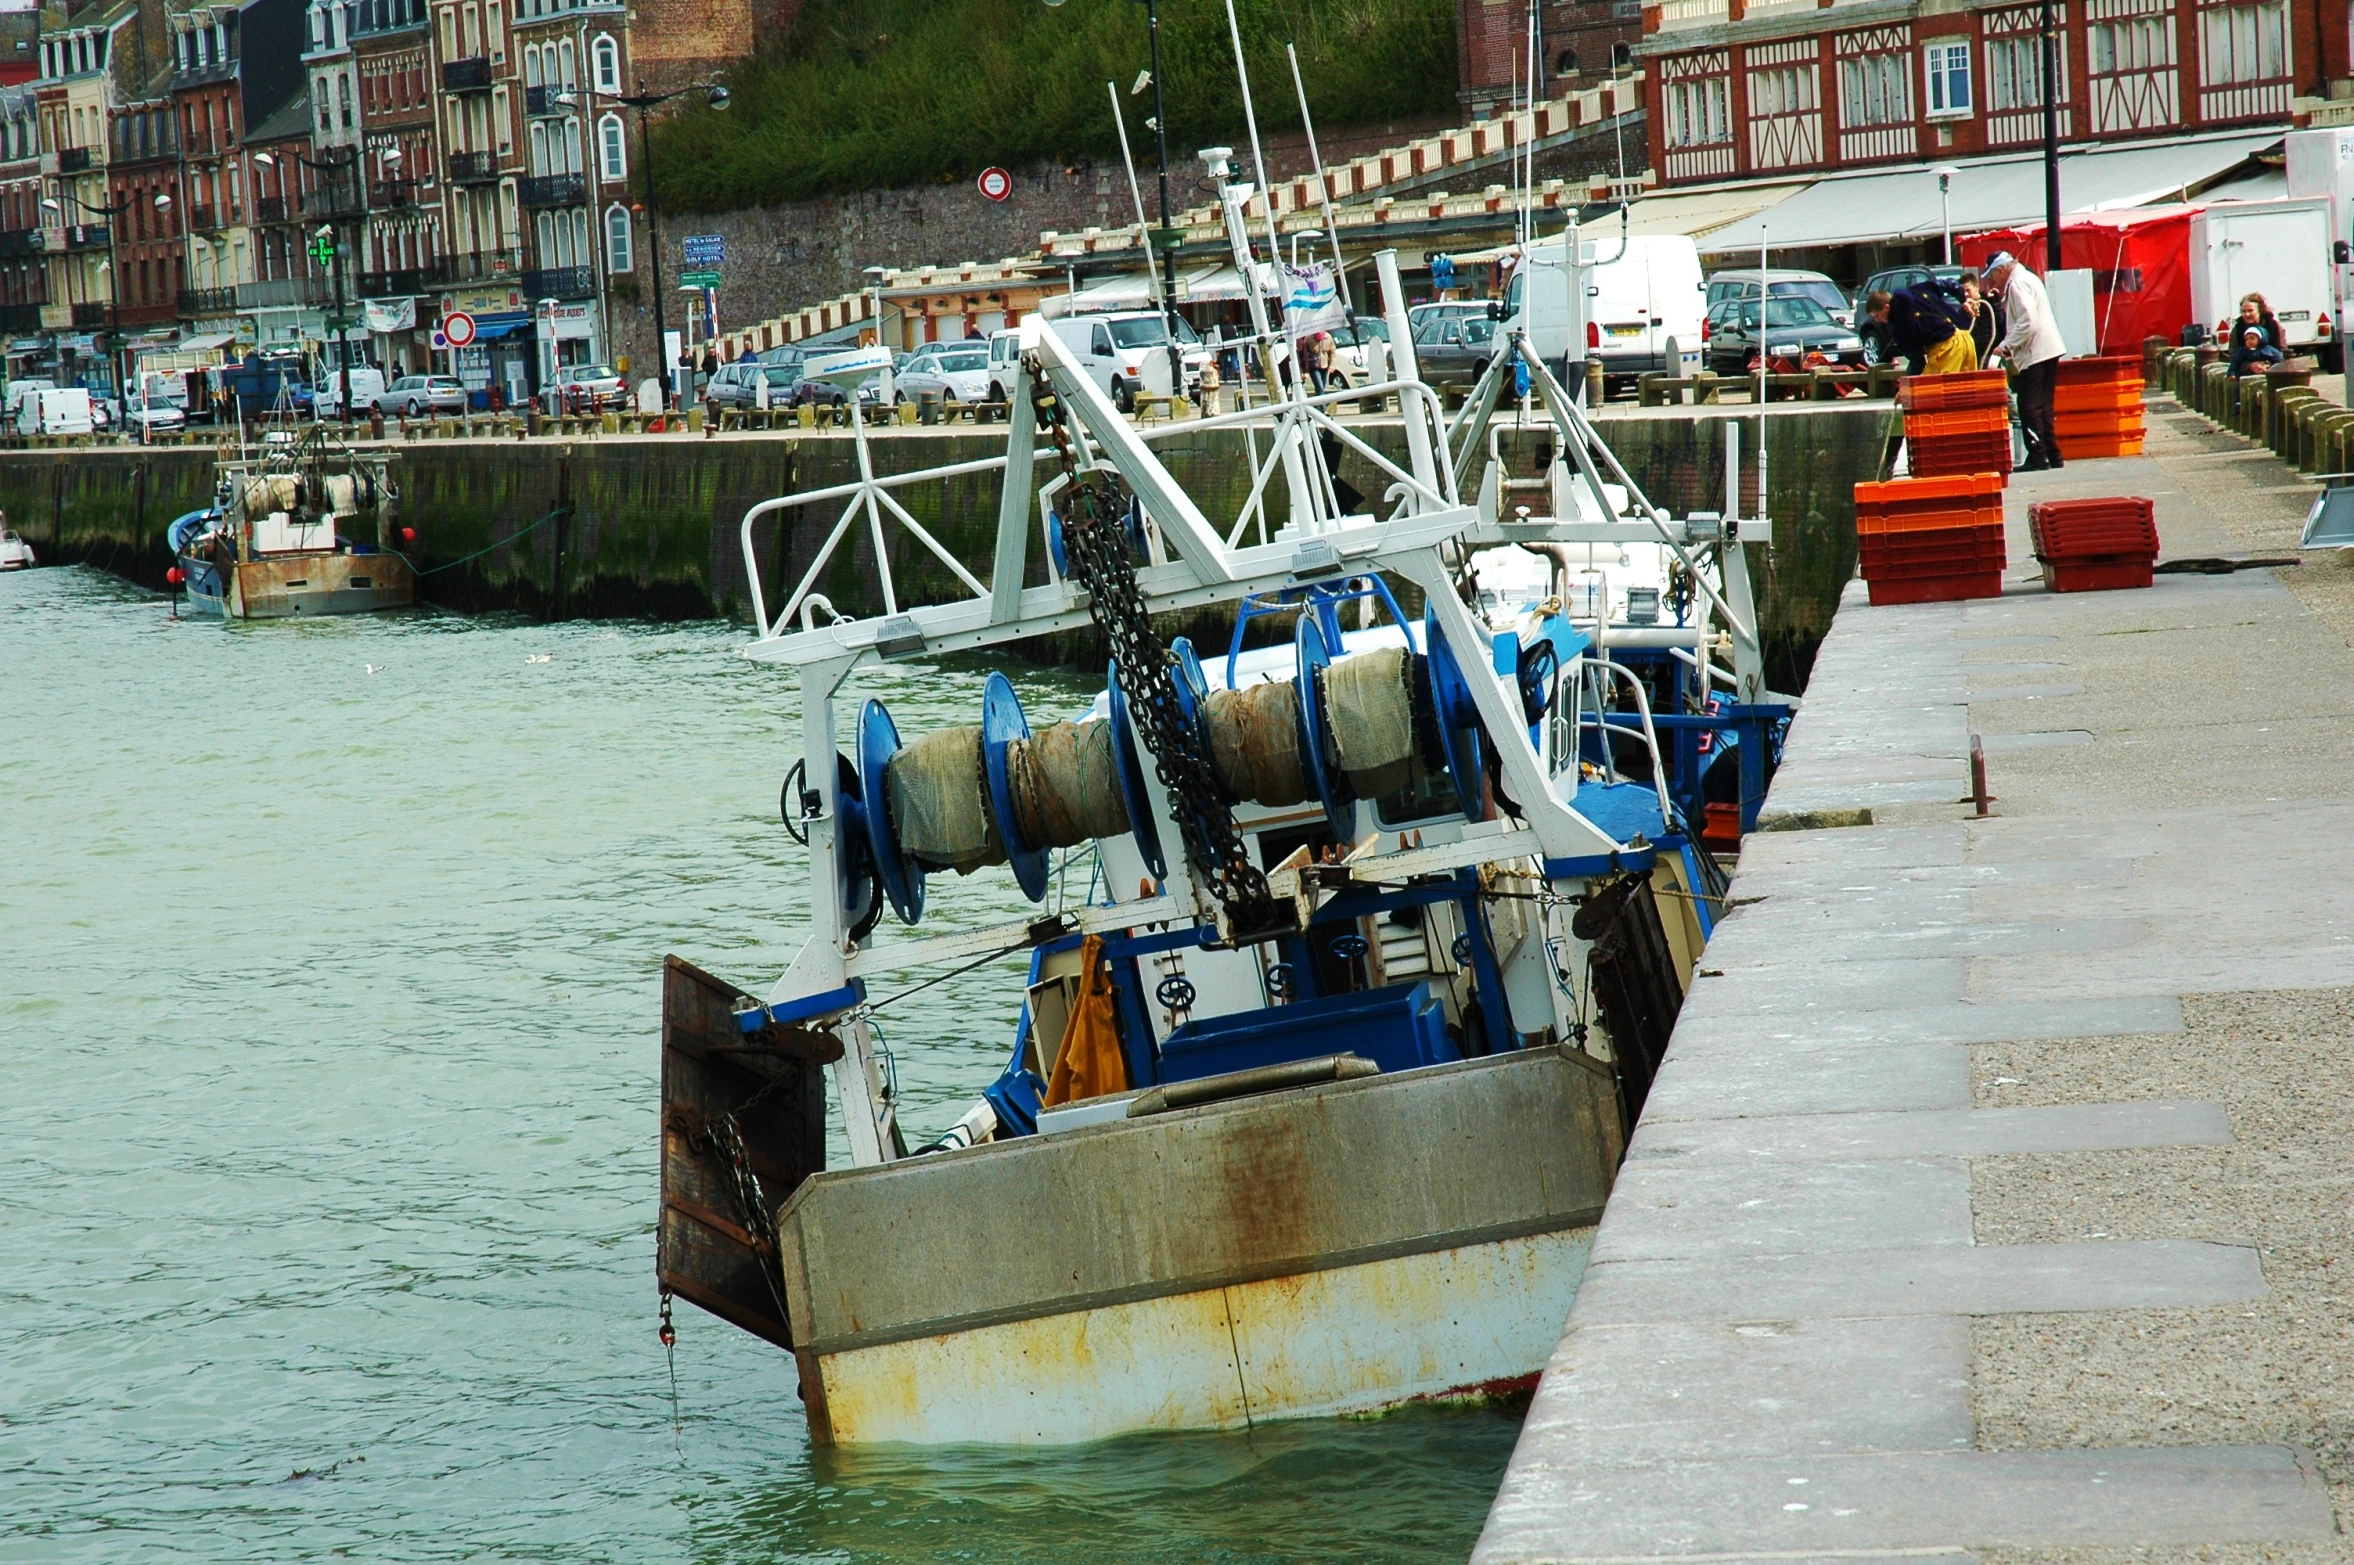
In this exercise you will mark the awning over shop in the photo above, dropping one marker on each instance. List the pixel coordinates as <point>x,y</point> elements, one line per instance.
<point>2264,184</point>
<point>29,345</point>
<point>1698,212</point>
<point>1997,192</point>
<point>207,342</point>
<point>496,330</point>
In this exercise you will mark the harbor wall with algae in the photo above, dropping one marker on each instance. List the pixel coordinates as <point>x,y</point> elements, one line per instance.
<point>650,527</point>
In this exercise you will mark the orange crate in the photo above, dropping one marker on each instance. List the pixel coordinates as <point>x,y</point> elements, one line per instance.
<point>1966,421</point>
<point>1945,393</point>
<point>2090,447</point>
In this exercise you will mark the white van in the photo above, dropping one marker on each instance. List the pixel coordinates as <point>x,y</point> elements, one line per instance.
<point>1640,309</point>
<point>56,411</point>
<point>367,384</point>
<point>1126,354</point>
<point>1005,363</point>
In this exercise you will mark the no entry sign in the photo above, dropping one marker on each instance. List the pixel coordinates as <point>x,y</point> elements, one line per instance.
<point>996,183</point>
<point>458,327</point>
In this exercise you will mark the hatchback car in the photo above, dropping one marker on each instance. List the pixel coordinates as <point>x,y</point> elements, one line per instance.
<point>1454,347</point>
<point>1741,283</point>
<point>1794,328</point>
<point>955,371</point>
<point>737,384</point>
<point>412,395</point>
<point>585,388</point>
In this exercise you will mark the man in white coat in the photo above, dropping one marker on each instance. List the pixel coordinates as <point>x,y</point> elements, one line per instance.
<point>2033,349</point>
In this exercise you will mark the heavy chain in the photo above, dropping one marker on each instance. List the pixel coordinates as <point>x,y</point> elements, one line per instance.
<point>1095,551</point>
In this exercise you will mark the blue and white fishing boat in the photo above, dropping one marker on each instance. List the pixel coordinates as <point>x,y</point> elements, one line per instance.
<point>300,527</point>
<point>1319,1085</point>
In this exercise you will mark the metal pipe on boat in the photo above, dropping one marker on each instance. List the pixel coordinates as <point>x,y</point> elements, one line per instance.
<point>1402,366</point>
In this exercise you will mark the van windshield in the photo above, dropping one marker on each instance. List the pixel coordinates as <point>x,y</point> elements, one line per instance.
<point>1140,332</point>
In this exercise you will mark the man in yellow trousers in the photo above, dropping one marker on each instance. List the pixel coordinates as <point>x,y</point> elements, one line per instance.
<point>1927,324</point>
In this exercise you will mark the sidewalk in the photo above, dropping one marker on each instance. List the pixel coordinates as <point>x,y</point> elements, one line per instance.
<point>1996,1199</point>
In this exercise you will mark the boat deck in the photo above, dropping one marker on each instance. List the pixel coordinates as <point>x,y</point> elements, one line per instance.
<point>1996,1199</point>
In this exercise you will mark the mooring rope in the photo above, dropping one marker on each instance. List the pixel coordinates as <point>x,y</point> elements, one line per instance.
<point>1064,788</point>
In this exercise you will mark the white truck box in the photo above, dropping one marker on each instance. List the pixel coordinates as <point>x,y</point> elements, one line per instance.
<point>2280,249</point>
<point>55,411</point>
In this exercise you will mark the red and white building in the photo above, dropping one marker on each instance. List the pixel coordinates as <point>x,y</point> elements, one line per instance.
<point>1738,91</point>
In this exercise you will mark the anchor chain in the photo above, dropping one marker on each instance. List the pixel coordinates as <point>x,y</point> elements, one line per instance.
<point>1096,554</point>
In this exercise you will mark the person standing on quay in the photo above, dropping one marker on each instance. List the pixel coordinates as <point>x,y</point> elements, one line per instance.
<point>2033,348</point>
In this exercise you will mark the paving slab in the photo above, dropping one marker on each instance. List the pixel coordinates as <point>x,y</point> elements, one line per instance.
<point>1797,1314</point>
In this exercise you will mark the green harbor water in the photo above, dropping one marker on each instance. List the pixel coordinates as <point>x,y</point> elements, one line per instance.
<point>328,1176</point>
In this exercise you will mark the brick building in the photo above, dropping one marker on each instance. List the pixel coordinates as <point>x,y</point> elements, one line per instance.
<point>1578,43</point>
<point>1737,90</point>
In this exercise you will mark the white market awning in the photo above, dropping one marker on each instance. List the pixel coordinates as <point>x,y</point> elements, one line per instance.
<point>208,342</point>
<point>1997,192</point>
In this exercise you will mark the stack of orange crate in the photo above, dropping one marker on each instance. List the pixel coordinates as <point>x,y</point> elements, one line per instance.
<point>2094,545</point>
<point>1931,540</point>
<point>2097,407</point>
<point>1956,425</point>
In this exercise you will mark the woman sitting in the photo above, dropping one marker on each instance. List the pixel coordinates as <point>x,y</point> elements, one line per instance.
<point>2255,338</point>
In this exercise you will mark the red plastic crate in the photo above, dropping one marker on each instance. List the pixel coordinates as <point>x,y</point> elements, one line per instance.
<point>1721,826</point>
<point>1941,393</point>
<point>2101,575</point>
<point>2094,528</point>
<point>1938,589</point>
<point>1964,421</point>
<point>1939,459</point>
<point>2094,370</point>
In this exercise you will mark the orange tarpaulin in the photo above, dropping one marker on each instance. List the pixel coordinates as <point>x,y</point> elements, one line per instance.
<point>1090,1063</point>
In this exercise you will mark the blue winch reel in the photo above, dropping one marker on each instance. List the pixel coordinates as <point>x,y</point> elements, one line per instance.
<point>1002,722</point>
<point>902,876</point>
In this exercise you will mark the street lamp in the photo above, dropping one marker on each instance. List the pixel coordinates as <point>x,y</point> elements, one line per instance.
<point>1166,239</point>
<point>331,241</point>
<point>645,102</point>
<point>1945,173</point>
<point>114,274</point>
<point>874,280</point>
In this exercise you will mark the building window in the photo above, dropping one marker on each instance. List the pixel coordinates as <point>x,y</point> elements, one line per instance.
<point>1947,67</point>
<point>612,149</point>
<point>620,247</point>
<point>2138,43</point>
<point>605,63</point>
<point>2244,43</point>
<point>1696,112</point>
<point>2014,73</point>
<point>1873,90</point>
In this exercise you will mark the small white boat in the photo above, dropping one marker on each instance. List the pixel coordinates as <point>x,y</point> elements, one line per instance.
<point>15,553</point>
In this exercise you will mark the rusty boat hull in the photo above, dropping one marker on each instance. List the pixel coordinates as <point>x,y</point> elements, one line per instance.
<point>300,586</point>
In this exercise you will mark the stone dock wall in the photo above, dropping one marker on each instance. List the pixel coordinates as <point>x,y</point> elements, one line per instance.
<point>653,522</point>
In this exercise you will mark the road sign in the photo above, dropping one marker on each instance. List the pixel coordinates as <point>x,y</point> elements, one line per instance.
<point>996,183</point>
<point>458,328</point>
<point>706,249</point>
<point>702,279</point>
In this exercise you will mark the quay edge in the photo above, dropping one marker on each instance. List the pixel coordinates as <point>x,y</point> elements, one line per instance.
<point>653,522</point>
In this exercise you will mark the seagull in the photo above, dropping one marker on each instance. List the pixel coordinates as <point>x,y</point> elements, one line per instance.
<point>541,657</point>
<point>370,667</point>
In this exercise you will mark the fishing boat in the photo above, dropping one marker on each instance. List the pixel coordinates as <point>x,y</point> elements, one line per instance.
<point>15,553</point>
<point>1353,957</point>
<point>301,526</point>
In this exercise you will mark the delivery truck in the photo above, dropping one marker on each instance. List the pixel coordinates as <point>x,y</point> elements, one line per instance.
<point>2280,249</point>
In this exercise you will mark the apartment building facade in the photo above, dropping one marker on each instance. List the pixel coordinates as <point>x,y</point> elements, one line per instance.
<point>1737,90</point>
<point>169,173</point>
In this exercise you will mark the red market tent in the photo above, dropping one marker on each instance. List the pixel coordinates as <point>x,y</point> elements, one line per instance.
<point>2140,260</point>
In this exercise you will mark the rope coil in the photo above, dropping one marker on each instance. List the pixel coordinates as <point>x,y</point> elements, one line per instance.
<point>939,802</point>
<point>1064,787</point>
<point>1369,706</point>
<point>1255,743</point>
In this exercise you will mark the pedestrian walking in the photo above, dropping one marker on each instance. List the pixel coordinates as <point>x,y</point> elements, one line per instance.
<point>2032,347</point>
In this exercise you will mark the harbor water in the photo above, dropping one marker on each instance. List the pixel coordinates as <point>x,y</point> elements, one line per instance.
<point>328,1182</point>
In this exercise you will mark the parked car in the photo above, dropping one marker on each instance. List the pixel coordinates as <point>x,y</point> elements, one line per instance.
<point>1454,347</point>
<point>1794,327</point>
<point>367,384</point>
<point>413,395</point>
<point>1125,353</point>
<point>1349,359</point>
<point>825,394</point>
<point>150,412</point>
<point>1456,309</point>
<point>956,371</point>
<point>1741,283</point>
<point>585,388</point>
<point>1890,279</point>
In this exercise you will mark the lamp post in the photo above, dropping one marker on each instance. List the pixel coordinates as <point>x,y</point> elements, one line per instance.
<point>1165,240</point>
<point>1945,173</point>
<point>332,241</point>
<point>2049,28</point>
<point>113,214</point>
<point>874,280</point>
<point>645,103</point>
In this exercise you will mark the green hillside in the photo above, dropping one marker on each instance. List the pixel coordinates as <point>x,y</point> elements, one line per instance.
<point>868,94</point>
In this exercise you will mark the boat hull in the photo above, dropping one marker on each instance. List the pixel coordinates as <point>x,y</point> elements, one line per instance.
<point>300,586</point>
<point>1336,1249</point>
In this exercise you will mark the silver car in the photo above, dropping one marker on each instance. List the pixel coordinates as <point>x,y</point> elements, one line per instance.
<point>955,371</point>
<point>413,395</point>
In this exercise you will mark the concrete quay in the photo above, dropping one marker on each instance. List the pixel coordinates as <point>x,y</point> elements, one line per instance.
<point>1996,1199</point>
